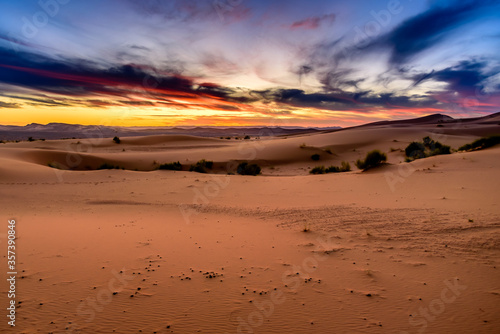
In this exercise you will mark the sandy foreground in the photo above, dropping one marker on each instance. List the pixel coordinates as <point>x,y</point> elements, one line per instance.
<point>405,248</point>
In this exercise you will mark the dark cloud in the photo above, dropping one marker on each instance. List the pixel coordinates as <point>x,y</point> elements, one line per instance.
<point>464,78</point>
<point>72,77</point>
<point>41,100</point>
<point>9,105</point>
<point>431,27</point>
<point>138,103</point>
<point>88,83</point>
<point>362,101</point>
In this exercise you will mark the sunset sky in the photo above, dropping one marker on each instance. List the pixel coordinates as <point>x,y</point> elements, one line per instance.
<point>246,62</point>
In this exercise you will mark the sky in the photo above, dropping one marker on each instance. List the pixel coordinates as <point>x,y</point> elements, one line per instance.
<point>246,62</point>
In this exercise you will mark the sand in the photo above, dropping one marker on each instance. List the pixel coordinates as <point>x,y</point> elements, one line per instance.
<point>404,248</point>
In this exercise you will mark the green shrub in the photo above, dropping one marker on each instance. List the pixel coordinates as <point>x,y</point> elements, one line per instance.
<point>442,149</point>
<point>117,140</point>
<point>318,170</point>
<point>373,159</point>
<point>201,166</point>
<point>345,167</point>
<point>481,143</point>
<point>55,164</point>
<point>332,169</point>
<point>415,150</point>
<point>245,169</point>
<point>171,166</point>
<point>315,157</point>
<point>109,166</point>
<point>427,148</point>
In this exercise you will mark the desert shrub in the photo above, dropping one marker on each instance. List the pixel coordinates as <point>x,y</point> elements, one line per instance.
<point>171,166</point>
<point>248,169</point>
<point>246,137</point>
<point>428,142</point>
<point>318,170</point>
<point>117,140</point>
<point>201,166</point>
<point>109,166</point>
<point>441,149</point>
<point>415,150</point>
<point>55,164</point>
<point>345,167</point>
<point>31,139</point>
<point>329,151</point>
<point>428,147</point>
<point>315,157</point>
<point>332,169</point>
<point>373,159</point>
<point>228,138</point>
<point>481,143</point>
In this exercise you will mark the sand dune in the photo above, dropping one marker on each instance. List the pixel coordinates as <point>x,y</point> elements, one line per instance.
<point>405,248</point>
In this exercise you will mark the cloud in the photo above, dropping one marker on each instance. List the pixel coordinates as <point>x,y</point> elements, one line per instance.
<point>430,28</point>
<point>9,105</point>
<point>74,78</point>
<point>193,10</point>
<point>41,100</point>
<point>362,102</point>
<point>464,78</point>
<point>312,23</point>
<point>138,103</point>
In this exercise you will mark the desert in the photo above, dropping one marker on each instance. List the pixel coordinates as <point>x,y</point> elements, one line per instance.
<point>250,166</point>
<point>406,247</point>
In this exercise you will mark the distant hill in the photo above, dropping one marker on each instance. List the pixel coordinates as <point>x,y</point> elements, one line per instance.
<point>437,119</point>
<point>62,131</point>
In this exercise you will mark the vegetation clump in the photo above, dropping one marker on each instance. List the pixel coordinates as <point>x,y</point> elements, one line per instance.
<point>481,144</point>
<point>117,140</point>
<point>55,164</point>
<point>109,166</point>
<point>427,148</point>
<point>245,168</point>
<point>318,170</point>
<point>201,166</point>
<point>373,159</point>
<point>345,167</point>
<point>315,157</point>
<point>171,166</point>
